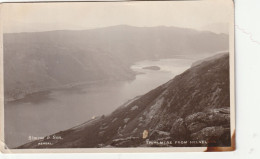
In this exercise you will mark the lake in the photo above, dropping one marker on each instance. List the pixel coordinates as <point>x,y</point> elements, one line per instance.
<point>44,113</point>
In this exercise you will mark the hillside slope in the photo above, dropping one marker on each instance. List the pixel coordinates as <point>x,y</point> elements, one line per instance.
<point>192,107</point>
<point>42,60</point>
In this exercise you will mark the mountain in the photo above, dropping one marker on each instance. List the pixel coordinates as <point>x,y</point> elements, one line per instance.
<point>192,107</point>
<point>42,60</point>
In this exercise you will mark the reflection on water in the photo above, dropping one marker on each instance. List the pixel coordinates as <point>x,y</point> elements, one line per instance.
<point>48,112</point>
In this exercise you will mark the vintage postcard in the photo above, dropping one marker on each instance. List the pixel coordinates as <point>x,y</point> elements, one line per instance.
<point>118,76</point>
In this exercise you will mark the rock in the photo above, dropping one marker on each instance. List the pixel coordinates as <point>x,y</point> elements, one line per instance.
<point>127,142</point>
<point>196,126</point>
<point>218,117</point>
<point>211,117</point>
<point>156,134</point>
<point>209,133</point>
<point>196,117</point>
<point>114,120</point>
<point>126,120</point>
<point>178,130</point>
<point>209,125</point>
<point>134,108</point>
<point>224,110</point>
<point>135,130</point>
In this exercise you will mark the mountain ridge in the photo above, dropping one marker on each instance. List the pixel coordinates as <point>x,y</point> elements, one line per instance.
<point>38,61</point>
<point>114,26</point>
<point>193,107</point>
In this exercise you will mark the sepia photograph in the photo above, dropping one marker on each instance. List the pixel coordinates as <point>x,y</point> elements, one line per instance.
<point>117,76</point>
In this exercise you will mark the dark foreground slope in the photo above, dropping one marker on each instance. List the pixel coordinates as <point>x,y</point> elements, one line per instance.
<point>193,108</point>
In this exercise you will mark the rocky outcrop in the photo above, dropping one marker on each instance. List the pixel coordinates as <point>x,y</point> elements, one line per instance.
<point>210,126</point>
<point>212,117</point>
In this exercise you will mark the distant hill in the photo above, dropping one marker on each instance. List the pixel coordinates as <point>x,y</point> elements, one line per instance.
<point>43,60</point>
<point>194,106</point>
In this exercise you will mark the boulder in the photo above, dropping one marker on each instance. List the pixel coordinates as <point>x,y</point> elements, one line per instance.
<point>209,133</point>
<point>196,126</point>
<point>178,130</point>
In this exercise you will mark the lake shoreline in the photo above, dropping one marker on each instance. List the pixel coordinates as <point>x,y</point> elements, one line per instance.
<point>60,108</point>
<point>135,73</point>
<point>66,86</point>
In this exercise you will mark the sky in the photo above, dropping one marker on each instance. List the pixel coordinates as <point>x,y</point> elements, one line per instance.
<point>34,17</point>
